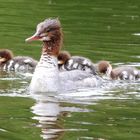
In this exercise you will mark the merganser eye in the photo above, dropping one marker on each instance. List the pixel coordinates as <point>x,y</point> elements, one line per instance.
<point>51,29</point>
<point>48,30</point>
<point>43,34</point>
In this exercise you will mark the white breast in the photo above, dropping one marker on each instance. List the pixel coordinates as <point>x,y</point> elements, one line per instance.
<point>43,80</point>
<point>45,77</point>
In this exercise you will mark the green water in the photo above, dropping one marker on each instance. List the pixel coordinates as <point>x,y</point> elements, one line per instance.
<point>96,29</point>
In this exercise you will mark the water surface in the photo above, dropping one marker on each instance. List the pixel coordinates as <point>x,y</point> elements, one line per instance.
<point>95,29</point>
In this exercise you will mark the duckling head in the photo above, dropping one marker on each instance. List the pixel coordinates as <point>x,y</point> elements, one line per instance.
<point>63,57</point>
<point>105,67</point>
<point>49,31</point>
<point>5,55</point>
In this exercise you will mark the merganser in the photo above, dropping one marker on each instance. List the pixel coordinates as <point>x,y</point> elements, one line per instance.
<point>68,62</point>
<point>19,63</point>
<point>121,72</point>
<point>47,77</point>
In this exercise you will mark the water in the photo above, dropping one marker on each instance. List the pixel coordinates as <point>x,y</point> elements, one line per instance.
<point>96,29</point>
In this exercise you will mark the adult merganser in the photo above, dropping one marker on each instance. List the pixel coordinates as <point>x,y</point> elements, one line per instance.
<point>121,72</point>
<point>47,77</point>
<point>18,63</point>
<point>68,62</point>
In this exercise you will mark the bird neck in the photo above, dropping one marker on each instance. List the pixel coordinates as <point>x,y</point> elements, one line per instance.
<point>112,75</point>
<point>53,46</point>
<point>49,49</point>
<point>48,61</point>
<point>49,55</point>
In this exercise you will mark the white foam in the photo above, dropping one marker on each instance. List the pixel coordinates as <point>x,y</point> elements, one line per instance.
<point>136,34</point>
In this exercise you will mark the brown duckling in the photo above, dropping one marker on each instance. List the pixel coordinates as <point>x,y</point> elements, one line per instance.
<point>121,72</point>
<point>19,63</point>
<point>68,63</point>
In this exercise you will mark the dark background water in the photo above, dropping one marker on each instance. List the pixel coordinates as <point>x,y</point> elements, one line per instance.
<point>96,29</point>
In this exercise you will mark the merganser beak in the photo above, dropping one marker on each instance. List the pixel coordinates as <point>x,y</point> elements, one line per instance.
<point>33,38</point>
<point>37,36</point>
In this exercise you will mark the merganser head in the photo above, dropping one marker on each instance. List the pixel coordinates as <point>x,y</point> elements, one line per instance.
<point>105,68</point>
<point>63,57</point>
<point>5,55</point>
<point>49,31</point>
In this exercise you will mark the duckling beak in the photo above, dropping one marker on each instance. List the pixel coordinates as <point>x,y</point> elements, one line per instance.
<point>60,62</point>
<point>2,60</point>
<point>33,38</point>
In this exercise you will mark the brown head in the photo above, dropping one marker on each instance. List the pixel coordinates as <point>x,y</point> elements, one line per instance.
<point>103,66</point>
<point>63,57</point>
<point>5,55</point>
<point>49,31</point>
<point>106,68</point>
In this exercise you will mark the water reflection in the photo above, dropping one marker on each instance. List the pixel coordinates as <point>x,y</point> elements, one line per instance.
<point>49,112</point>
<point>46,113</point>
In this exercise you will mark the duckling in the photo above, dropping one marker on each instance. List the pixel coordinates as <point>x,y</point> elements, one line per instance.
<point>121,72</point>
<point>19,63</point>
<point>68,63</point>
<point>47,77</point>
<point>5,56</point>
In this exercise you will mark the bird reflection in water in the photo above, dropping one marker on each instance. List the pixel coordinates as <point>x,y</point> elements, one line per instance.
<point>48,113</point>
